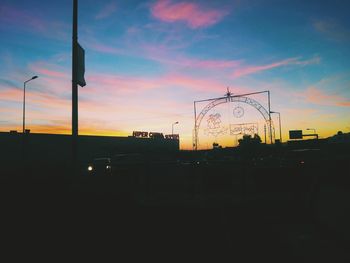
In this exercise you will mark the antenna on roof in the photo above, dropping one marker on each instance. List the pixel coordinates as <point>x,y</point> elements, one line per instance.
<point>228,93</point>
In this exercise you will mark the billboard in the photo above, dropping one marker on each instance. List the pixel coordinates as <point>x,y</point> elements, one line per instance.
<point>140,134</point>
<point>295,134</point>
<point>154,135</point>
<point>244,128</point>
<point>171,136</point>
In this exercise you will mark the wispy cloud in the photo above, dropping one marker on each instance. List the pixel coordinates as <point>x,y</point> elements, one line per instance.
<point>164,55</point>
<point>317,96</point>
<point>43,71</point>
<point>106,11</point>
<point>332,30</point>
<point>15,16</point>
<point>14,95</point>
<point>55,82</point>
<point>192,14</point>
<point>193,83</point>
<point>53,79</point>
<point>32,22</point>
<point>290,61</point>
<point>104,48</point>
<point>7,83</point>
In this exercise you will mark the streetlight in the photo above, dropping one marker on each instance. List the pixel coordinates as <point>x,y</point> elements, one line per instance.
<point>24,100</point>
<point>279,119</point>
<point>309,129</point>
<point>172,127</point>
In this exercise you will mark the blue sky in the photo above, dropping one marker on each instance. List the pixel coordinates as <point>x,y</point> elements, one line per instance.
<point>147,61</point>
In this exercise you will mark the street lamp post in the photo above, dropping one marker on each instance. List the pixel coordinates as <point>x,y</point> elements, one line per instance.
<point>309,129</point>
<point>172,127</point>
<point>315,134</point>
<point>24,100</point>
<point>279,120</point>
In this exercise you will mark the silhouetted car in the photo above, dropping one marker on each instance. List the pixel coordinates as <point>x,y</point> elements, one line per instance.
<point>100,166</point>
<point>128,161</point>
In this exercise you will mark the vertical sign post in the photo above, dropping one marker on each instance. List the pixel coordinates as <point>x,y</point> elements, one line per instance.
<point>75,87</point>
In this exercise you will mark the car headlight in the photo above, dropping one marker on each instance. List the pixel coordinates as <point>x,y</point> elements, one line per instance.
<point>90,168</point>
<point>108,167</point>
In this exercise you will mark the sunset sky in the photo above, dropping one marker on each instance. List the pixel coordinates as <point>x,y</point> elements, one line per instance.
<point>147,61</point>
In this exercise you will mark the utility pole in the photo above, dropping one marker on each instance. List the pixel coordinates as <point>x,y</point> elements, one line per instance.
<point>195,141</point>
<point>75,87</point>
<point>270,126</point>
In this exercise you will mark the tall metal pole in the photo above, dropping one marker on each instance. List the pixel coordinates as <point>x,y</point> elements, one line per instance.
<point>24,106</point>
<point>74,84</point>
<point>195,126</point>
<point>279,119</point>
<point>24,103</point>
<point>270,128</point>
<point>172,127</point>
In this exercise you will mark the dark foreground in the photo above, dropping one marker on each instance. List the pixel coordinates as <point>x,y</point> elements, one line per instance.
<point>216,211</point>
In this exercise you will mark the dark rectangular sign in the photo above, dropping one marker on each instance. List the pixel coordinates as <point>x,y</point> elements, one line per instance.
<point>296,134</point>
<point>172,136</point>
<point>156,135</point>
<point>140,134</point>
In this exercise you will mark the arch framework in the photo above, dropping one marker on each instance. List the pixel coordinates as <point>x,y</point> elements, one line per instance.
<point>215,102</point>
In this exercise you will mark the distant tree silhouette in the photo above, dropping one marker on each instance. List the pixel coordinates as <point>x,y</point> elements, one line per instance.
<point>249,141</point>
<point>216,145</point>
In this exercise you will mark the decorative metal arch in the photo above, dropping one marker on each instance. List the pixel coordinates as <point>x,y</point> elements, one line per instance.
<point>230,98</point>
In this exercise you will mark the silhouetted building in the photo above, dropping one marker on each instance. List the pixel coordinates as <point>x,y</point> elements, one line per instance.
<point>56,149</point>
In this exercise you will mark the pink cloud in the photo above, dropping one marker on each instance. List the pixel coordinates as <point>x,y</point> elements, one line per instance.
<point>163,53</point>
<point>198,84</point>
<point>219,64</point>
<point>11,95</point>
<point>106,11</point>
<point>290,61</point>
<point>128,84</point>
<point>254,69</point>
<point>50,73</point>
<point>35,97</point>
<point>192,14</point>
<point>317,96</point>
<point>117,83</point>
<point>344,103</point>
<point>55,81</point>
